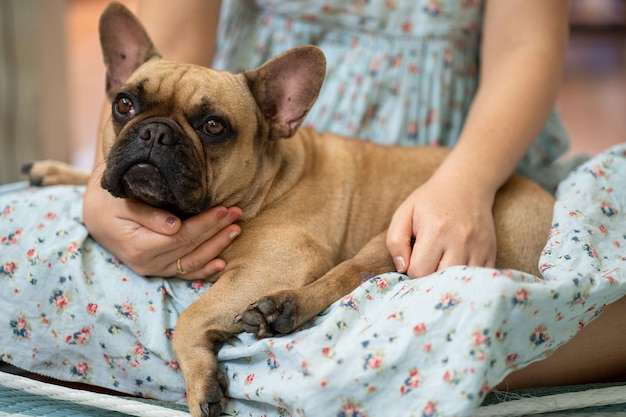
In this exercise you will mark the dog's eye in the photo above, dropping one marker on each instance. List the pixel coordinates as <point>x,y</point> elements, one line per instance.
<point>124,106</point>
<point>214,126</point>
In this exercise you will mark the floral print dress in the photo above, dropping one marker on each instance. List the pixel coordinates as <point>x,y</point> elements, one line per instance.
<point>394,346</point>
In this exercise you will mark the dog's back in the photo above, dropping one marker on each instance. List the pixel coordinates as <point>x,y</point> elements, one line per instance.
<point>361,184</point>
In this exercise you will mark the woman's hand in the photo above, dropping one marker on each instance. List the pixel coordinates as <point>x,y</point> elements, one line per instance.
<point>153,242</point>
<point>452,224</point>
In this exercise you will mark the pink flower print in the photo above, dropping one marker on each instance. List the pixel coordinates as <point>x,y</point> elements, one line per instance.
<point>433,8</point>
<point>428,347</point>
<point>539,336</point>
<point>603,230</point>
<point>8,268</point>
<point>7,211</point>
<point>482,338</point>
<point>451,377</point>
<point>372,362</point>
<point>140,350</point>
<point>58,299</point>
<point>173,365</point>
<point>390,4</point>
<point>597,171</point>
<point>50,216</point>
<point>447,57</point>
<point>397,61</point>
<point>304,368</point>
<point>196,285</point>
<point>349,303</point>
<point>430,409</point>
<point>272,365</point>
<point>20,327</point>
<point>521,297</point>
<point>407,27</point>
<point>73,249</point>
<point>350,409</point>
<point>328,352</point>
<point>395,316</point>
<point>380,283</point>
<point>11,238</point>
<point>249,379</point>
<point>169,332</point>
<point>92,309</point>
<point>370,389</point>
<point>511,358</point>
<point>412,129</point>
<point>78,338</point>
<point>411,383</point>
<point>374,66</point>
<point>126,310</point>
<point>448,301</point>
<point>80,369</point>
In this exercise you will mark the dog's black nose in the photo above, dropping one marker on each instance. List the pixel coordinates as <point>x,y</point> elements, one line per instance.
<point>158,134</point>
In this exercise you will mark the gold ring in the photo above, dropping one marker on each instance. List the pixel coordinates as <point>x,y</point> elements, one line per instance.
<point>179,268</point>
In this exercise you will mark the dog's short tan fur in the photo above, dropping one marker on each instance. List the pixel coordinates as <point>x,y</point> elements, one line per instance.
<point>315,206</point>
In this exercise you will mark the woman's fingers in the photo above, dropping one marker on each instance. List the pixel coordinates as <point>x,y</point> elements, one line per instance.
<point>203,261</point>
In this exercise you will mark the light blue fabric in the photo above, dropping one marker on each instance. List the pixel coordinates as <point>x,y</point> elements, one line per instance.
<point>392,347</point>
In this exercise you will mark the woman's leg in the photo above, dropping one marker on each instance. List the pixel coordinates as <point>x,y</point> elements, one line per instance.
<point>596,354</point>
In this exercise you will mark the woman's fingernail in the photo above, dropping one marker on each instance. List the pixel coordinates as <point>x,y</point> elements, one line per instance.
<point>400,264</point>
<point>170,221</point>
<point>233,234</point>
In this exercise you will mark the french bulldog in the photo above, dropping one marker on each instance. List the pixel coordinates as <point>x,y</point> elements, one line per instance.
<point>316,206</point>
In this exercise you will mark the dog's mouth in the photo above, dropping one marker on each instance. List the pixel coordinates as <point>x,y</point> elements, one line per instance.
<point>144,181</point>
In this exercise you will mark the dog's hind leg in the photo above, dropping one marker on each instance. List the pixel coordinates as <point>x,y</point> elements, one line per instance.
<point>284,311</point>
<point>50,172</point>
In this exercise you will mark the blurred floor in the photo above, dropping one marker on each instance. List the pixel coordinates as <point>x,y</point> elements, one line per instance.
<point>592,99</point>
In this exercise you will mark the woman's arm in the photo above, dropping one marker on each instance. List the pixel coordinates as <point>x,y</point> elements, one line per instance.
<point>150,240</point>
<point>182,30</point>
<point>521,62</point>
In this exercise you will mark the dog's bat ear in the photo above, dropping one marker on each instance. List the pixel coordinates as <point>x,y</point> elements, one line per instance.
<point>286,87</point>
<point>125,45</point>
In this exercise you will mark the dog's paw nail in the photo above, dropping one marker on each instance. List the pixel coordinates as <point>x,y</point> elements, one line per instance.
<point>210,410</point>
<point>238,318</point>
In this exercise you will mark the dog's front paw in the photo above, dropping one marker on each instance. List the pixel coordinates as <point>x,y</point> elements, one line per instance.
<point>270,315</point>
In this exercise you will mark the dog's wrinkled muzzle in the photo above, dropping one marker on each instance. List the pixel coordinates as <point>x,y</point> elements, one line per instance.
<point>152,163</point>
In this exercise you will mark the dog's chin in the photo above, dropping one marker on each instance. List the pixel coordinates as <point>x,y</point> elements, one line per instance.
<point>145,182</point>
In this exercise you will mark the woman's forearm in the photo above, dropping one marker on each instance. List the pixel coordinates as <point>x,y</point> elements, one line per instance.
<point>521,65</point>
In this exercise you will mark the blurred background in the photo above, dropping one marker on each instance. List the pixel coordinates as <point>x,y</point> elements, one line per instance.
<point>52,80</point>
